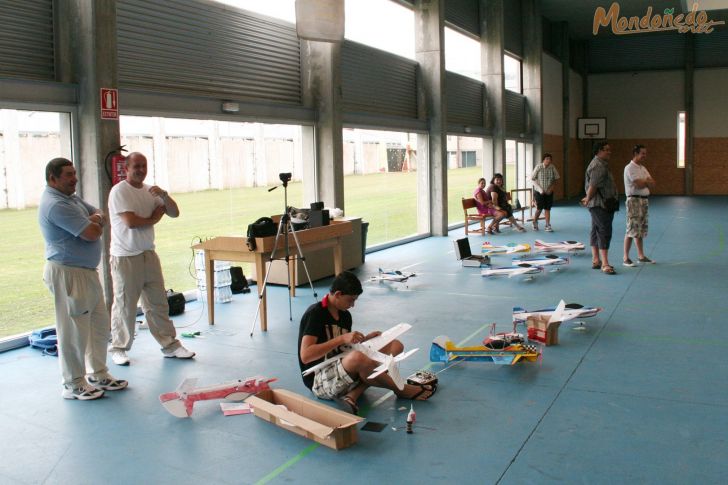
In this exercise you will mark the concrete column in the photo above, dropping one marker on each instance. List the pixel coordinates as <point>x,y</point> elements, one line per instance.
<point>87,56</point>
<point>430,54</point>
<point>689,111</point>
<point>492,73</point>
<point>321,72</point>
<point>531,66</point>
<point>566,103</point>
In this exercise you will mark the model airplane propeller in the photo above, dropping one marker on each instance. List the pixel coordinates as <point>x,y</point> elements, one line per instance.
<point>511,271</point>
<point>568,312</point>
<point>562,246</point>
<point>545,260</point>
<point>396,276</point>
<point>371,348</point>
<point>509,248</point>
<point>181,402</point>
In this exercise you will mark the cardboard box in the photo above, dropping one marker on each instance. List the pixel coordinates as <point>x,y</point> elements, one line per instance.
<point>313,420</point>
<point>540,330</point>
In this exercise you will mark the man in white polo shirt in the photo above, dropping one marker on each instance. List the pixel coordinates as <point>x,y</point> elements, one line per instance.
<point>637,185</point>
<point>134,209</point>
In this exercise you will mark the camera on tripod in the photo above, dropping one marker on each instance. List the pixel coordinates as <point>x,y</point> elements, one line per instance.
<point>285,177</point>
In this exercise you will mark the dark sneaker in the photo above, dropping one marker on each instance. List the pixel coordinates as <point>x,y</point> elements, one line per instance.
<point>108,383</point>
<point>82,393</point>
<point>628,262</point>
<point>646,260</point>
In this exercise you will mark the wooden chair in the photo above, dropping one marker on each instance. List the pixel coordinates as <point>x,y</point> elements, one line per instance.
<point>470,217</point>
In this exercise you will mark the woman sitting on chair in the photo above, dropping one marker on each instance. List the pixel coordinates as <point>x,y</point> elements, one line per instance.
<point>500,202</point>
<point>485,206</point>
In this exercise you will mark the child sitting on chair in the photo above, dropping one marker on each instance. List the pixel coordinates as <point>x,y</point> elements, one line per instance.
<point>325,328</point>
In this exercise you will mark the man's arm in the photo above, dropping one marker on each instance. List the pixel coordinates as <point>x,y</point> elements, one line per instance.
<point>96,227</point>
<point>132,220</point>
<point>311,351</point>
<point>170,205</point>
<point>534,179</point>
<point>591,191</point>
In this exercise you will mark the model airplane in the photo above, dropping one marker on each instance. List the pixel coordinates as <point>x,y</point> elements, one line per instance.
<point>509,248</point>
<point>180,402</point>
<point>511,271</point>
<point>444,350</point>
<point>569,312</point>
<point>562,246</point>
<point>503,340</point>
<point>392,275</point>
<point>371,348</point>
<point>545,260</point>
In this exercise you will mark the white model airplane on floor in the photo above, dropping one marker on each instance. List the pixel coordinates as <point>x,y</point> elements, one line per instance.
<point>545,260</point>
<point>396,276</point>
<point>511,271</point>
<point>371,348</point>
<point>562,246</point>
<point>489,248</point>
<point>568,312</point>
<point>180,402</point>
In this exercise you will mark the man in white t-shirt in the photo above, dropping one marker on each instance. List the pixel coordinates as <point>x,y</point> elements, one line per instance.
<point>134,209</point>
<point>637,185</point>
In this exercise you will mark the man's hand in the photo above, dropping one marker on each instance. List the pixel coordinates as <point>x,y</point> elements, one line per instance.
<point>372,335</point>
<point>584,201</point>
<point>352,338</point>
<point>97,218</point>
<point>158,192</point>
<point>158,213</point>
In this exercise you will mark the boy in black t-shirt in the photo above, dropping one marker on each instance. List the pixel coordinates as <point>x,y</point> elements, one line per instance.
<point>325,328</point>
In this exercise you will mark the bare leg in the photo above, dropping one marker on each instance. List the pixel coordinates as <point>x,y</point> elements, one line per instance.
<point>537,215</point>
<point>595,255</point>
<point>628,246</point>
<point>640,249</point>
<point>547,216</point>
<point>605,257</point>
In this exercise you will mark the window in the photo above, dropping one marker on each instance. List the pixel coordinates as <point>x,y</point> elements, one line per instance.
<point>28,140</point>
<point>512,73</point>
<point>465,167</point>
<point>681,134</point>
<point>462,54</point>
<point>219,173</point>
<point>382,24</point>
<point>381,183</point>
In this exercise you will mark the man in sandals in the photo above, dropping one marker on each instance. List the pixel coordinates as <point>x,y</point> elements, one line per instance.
<point>637,185</point>
<point>600,189</point>
<point>325,328</point>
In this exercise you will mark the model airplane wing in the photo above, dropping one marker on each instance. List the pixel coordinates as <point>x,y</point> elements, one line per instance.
<point>376,344</point>
<point>523,268</point>
<point>390,365</point>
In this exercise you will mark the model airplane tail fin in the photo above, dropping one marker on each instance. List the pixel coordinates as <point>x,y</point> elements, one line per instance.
<point>437,350</point>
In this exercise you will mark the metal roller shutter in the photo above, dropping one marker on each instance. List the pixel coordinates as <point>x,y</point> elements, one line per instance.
<point>374,81</point>
<point>711,50</point>
<point>464,100</point>
<point>513,32</point>
<point>515,114</point>
<point>26,39</point>
<point>464,14</point>
<point>637,52</point>
<point>198,47</point>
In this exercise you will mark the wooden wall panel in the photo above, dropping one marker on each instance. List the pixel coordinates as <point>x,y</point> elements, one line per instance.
<point>710,172</point>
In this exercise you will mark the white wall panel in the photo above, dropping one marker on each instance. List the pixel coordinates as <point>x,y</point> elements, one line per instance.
<point>711,103</point>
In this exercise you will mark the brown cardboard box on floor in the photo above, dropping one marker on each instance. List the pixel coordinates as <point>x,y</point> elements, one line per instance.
<point>540,330</point>
<point>313,420</point>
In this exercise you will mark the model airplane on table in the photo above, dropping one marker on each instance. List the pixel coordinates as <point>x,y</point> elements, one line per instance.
<point>511,271</point>
<point>509,248</point>
<point>180,402</point>
<point>392,275</point>
<point>562,246</point>
<point>444,350</point>
<point>371,348</point>
<point>570,311</point>
<point>544,260</point>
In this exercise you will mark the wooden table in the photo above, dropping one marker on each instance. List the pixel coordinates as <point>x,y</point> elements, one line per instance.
<point>234,248</point>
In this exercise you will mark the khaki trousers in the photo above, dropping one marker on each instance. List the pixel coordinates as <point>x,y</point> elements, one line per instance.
<point>82,321</point>
<point>134,277</point>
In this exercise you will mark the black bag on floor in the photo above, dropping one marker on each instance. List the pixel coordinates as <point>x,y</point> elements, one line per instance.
<point>176,302</point>
<point>238,281</point>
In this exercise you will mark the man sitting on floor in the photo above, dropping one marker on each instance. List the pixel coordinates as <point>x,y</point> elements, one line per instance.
<point>325,328</point>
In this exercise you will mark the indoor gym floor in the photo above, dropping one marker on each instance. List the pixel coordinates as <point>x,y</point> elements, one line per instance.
<point>638,396</point>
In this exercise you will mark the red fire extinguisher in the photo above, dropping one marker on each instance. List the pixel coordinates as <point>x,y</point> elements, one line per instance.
<point>116,165</point>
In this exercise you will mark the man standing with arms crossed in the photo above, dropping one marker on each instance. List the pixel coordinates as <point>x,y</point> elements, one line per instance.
<point>134,209</point>
<point>72,230</point>
<point>637,185</point>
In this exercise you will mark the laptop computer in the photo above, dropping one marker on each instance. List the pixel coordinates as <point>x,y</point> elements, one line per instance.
<point>462,252</point>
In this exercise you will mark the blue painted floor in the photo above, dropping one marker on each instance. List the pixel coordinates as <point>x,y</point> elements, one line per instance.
<point>638,396</point>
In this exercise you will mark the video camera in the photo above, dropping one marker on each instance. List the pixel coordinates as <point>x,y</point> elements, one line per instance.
<point>285,177</point>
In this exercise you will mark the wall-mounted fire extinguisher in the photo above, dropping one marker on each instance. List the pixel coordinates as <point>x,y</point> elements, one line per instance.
<point>115,163</point>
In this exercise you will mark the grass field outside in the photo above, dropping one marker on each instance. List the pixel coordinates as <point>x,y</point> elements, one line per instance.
<point>388,201</point>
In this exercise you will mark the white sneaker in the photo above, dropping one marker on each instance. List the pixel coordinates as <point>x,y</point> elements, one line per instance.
<point>548,228</point>
<point>82,393</point>
<point>535,226</point>
<point>520,228</point>
<point>108,383</point>
<point>119,357</point>
<point>180,353</point>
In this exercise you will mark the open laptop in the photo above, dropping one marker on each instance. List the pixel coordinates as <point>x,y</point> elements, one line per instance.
<point>462,251</point>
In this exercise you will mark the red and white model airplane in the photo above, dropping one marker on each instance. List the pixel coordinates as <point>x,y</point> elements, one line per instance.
<point>180,402</point>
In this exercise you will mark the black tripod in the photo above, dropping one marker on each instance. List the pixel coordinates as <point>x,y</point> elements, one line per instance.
<point>285,226</point>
